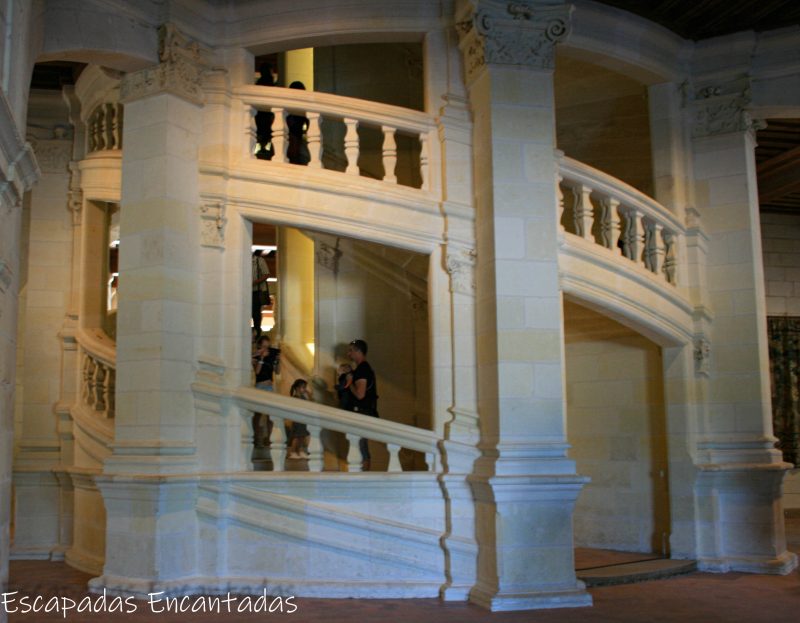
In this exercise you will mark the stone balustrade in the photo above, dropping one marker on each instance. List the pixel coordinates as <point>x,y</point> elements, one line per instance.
<point>318,417</point>
<point>605,211</point>
<point>98,372</point>
<point>104,128</point>
<point>345,148</point>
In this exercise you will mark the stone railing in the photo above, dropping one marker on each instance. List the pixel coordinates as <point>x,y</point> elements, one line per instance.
<point>605,211</point>
<point>104,128</point>
<point>98,372</point>
<point>318,417</point>
<point>337,135</point>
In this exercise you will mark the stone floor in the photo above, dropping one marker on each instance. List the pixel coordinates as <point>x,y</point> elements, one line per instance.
<point>696,597</point>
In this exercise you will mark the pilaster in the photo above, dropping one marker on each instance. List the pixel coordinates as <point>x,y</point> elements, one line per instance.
<point>740,519</point>
<point>524,484</point>
<point>150,529</point>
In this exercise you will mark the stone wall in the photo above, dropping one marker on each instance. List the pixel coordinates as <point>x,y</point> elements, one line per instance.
<point>781,247</point>
<point>616,427</point>
<point>602,120</point>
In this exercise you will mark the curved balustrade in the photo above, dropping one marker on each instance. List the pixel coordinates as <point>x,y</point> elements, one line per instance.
<point>318,417</point>
<point>601,209</point>
<point>104,127</point>
<point>98,372</point>
<point>343,149</point>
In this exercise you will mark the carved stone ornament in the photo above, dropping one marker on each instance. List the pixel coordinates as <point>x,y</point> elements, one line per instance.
<point>328,256</point>
<point>75,194</point>
<point>52,155</point>
<point>702,356</point>
<point>720,109</point>
<point>511,33</point>
<point>461,267</point>
<point>180,71</point>
<point>212,224</point>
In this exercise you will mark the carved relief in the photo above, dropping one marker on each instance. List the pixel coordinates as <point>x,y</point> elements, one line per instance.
<point>719,109</point>
<point>212,224</point>
<point>180,71</point>
<point>75,194</point>
<point>328,256</point>
<point>460,265</point>
<point>52,155</point>
<point>514,33</point>
<point>702,355</point>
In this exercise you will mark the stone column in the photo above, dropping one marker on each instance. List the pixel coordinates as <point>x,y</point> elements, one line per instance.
<point>524,484</point>
<point>739,511</point>
<point>147,485</point>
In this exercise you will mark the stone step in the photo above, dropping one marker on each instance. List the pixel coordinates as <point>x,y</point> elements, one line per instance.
<point>640,571</point>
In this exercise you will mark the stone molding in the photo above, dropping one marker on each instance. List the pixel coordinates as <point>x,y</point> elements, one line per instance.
<point>721,109</point>
<point>179,72</point>
<point>460,265</point>
<point>18,167</point>
<point>212,224</point>
<point>511,33</point>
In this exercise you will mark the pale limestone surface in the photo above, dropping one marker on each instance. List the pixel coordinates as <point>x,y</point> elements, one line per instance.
<point>470,264</point>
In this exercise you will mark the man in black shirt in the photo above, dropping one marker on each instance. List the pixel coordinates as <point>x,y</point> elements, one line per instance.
<point>364,390</point>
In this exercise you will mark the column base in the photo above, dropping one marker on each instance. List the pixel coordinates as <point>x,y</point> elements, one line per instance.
<point>782,565</point>
<point>502,602</point>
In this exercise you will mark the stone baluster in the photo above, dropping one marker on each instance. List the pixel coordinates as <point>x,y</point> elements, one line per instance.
<point>99,387</point>
<point>351,146</point>
<point>657,249</point>
<point>560,196</point>
<point>353,453</point>
<point>424,171</point>
<point>118,117</point>
<point>670,261</point>
<point>610,224</point>
<point>277,444</point>
<point>314,140</point>
<point>109,114</point>
<point>389,155</point>
<point>430,460</point>
<point>584,212</point>
<point>634,236</point>
<point>315,450</point>
<point>250,141</point>
<point>88,380</point>
<point>394,458</point>
<point>111,383</point>
<point>279,135</point>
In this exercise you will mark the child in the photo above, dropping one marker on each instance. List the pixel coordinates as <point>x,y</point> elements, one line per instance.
<point>299,432</point>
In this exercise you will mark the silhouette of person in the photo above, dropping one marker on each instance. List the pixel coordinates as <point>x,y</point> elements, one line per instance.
<point>264,119</point>
<point>298,152</point>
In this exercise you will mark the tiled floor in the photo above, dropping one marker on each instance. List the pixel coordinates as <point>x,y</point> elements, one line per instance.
<point>698,597</point>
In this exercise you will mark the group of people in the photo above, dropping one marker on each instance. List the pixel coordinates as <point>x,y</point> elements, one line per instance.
<point>297,125</point>
<point>356,389</point>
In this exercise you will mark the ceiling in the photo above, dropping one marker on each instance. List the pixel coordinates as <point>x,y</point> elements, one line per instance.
<point>701,19</point>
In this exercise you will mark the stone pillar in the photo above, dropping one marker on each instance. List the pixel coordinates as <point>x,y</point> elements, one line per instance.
<point>147,485</point>
<point>739,511</point>
<point>524,484</point>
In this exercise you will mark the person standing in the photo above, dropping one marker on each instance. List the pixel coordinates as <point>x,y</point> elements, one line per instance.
<point>265,365</point>
<point>260,296</point>
<point>364,390</point>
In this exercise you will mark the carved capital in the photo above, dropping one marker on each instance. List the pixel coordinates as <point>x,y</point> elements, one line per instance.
<point>180,71</point>
<point>212,224</point>
<point>328,256</point>
<point>511,33</point>
<point>721,109</point>
<point>460,265</point>
<point>53,155</point>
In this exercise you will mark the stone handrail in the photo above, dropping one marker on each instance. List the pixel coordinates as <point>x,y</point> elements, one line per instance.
<point>320,108</point>
<point>608,212</point>
<point>98,355</point>
<point>318,417</point>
